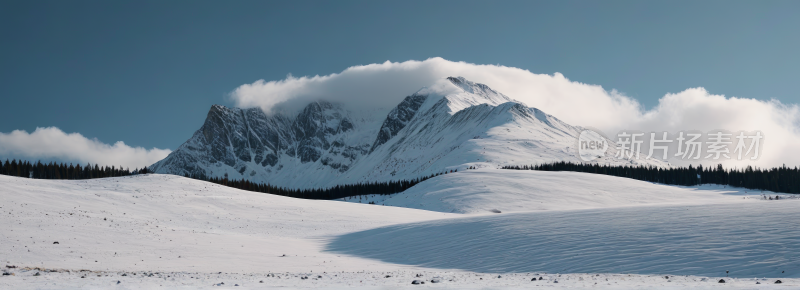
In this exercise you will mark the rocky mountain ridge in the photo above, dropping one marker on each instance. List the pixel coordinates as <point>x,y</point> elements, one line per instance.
<point>454,124</point>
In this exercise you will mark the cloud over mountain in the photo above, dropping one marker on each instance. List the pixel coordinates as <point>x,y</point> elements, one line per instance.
<point>386,84</point>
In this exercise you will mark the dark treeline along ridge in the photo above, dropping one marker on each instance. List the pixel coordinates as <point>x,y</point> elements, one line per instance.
<point>778,179</point>
<point>54,170</point>
<point>336,192</point>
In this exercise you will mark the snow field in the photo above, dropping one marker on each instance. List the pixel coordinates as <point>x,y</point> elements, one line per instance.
<point>400,279</point>
<point>175,232</point>
<point>759,239</point>
<point>483,190</point>
<point>171,223</point>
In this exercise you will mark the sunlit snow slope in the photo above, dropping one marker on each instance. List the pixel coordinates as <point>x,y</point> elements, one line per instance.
<point>171,223</point>
<point>491,190</point>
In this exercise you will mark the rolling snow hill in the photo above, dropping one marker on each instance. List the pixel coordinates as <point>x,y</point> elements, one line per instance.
<point>453,124</point>
<point>170,223</point>
<point>488,190</point>
<point>588,231</point>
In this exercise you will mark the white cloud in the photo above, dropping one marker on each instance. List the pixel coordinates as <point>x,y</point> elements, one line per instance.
<point>51,142</point>
<point>386,84</point>
<point>696,109</point>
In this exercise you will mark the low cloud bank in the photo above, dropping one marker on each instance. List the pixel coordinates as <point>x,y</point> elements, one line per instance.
<point>51,142</point>
<point>384,85</point>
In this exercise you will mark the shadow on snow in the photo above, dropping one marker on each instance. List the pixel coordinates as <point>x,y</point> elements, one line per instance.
<point>752,239</point>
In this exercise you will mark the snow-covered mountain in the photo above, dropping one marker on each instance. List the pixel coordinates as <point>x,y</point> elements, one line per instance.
<point>453,124</point>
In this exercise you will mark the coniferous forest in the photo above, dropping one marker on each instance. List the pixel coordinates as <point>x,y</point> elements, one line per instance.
<point>779,179</point>
<point>54,170</point>
<point>336,192</point>
<point>74,172</point>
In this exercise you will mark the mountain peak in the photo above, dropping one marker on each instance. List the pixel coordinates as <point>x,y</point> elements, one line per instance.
<point>458,93</point>
<point>472,87</point>
<point>452,124</point>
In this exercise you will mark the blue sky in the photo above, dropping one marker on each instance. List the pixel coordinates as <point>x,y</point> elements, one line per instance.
<point>146,72</point>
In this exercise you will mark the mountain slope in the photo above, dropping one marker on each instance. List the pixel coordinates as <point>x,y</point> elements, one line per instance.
<point>453,124</point>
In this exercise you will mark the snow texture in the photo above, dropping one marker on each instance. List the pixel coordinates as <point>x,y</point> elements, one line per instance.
<point>586,231</point>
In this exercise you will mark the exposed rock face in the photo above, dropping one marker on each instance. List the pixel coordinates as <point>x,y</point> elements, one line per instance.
<point>398,118</point>
<point>454,124</point>
<point>231,135</point>
<point>240,138</point>
<point>313,128</point>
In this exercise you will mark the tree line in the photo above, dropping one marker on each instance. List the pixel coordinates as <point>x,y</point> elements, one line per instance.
<point>335,192</point>
<point>54,170</point>
<point>777,179</point>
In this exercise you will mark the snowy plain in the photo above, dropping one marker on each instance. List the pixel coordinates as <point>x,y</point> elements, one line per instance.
<point>574,230</point>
